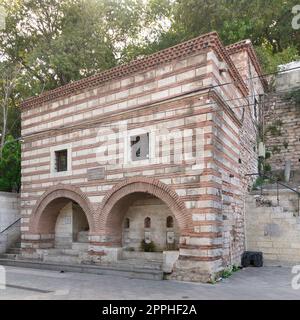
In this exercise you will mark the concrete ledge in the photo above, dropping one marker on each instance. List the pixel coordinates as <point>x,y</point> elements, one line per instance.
<point>133,273</point>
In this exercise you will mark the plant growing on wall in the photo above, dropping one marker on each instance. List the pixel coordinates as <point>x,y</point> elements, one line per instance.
<point>275,128</point>
<point>294,95</point>
<point>148,247</point>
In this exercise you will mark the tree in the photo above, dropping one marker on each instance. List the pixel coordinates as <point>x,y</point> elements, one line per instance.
<point>10,166</point>
<point>9,74</point>
<point>60,41</point>
<point>266,22</point>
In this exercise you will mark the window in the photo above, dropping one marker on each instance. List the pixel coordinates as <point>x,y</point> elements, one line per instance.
<point>170,222</point>
<point>139,145</point>
<point>147,222</point>
<point>127,223</point>
<point>61,160</point>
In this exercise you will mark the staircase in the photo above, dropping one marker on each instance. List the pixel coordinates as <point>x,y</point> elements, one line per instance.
<point>13,252</point>
<point>10,240</point>
<point>130,266</point>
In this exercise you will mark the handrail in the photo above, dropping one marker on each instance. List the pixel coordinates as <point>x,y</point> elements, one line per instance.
<point>10,226</point>
<point>278,183</point>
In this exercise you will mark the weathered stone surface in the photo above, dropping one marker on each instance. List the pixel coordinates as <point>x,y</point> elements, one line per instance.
<point>201,146</point>
<point>96,174</point>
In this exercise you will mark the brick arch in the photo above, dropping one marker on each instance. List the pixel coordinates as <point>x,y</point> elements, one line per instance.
<point>106,224</point>
<point>45,212</point>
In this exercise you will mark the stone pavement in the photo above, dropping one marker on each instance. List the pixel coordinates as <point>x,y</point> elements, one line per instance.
<point>250,283</point>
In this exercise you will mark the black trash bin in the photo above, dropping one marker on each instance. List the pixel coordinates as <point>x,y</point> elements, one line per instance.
<point>252,258</point>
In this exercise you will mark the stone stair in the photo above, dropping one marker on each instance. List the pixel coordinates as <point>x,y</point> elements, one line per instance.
<point>13,252</point>
<point>123,270</point>
<point>141,264</point>
<point>68,258</point>
<point>71,260</point>
<point>16,249</point>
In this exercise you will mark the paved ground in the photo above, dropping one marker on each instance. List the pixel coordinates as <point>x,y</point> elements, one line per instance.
<point>251,283</point>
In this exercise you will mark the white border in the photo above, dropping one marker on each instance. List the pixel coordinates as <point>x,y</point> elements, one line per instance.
<point>53,172</point>
<point>127,148</point>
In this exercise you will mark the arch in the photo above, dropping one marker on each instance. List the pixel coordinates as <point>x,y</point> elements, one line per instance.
<point>45,212</point>
<point>124,193</point>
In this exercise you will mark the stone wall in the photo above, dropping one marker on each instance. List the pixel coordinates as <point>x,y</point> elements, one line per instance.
<point>70,222</point>
<point>10,212</point>
<point>9,209</point>
<point>289,77</point>
<point>282,124</point>
<point>239,158</point>
<point>274,229</point>
<point>158,212</point>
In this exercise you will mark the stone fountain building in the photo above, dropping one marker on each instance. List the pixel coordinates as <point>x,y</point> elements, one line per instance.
<point>146,156</point>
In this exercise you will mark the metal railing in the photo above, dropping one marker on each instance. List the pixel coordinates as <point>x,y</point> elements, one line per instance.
<point>278,183</point>
<point>11,225</point>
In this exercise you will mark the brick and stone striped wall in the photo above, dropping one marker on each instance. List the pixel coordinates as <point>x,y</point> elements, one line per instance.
<point>185,92</point>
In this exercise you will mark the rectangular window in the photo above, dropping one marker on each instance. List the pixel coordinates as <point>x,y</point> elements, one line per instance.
<point>61,160</point>
<point>139,145</point>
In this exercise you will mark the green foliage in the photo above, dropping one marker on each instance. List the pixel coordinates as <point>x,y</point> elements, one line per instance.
<point>267,168</point>
<point>268,155</point>
<point>270,59</point>
<point>227,272</point>
<point>275,128</point>
<point>266,22</point>
<point>130,249</point>
<point>60,41</point>
<point>10,166</point>
<point>148,247</point>
<point>275,149</point>
<point>295,96</point>
<point>258,183</point>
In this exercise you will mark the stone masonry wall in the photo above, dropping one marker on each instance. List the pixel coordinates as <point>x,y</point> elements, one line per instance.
<point>238,157</point>
<point>10,212</point>
<point>9,209</point>
<point>274,229</point>
<point>158,212</point>
<point>283,131</point>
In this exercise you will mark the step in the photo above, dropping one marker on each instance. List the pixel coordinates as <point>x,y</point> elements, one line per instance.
<point>133,263</point>
<point>80,246</point>
<point>59,252</point>
<point>61,259</point>
<point>14,250</point>
<point>135,273</point>
<point>9,256</point>
<point>149,256</point>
